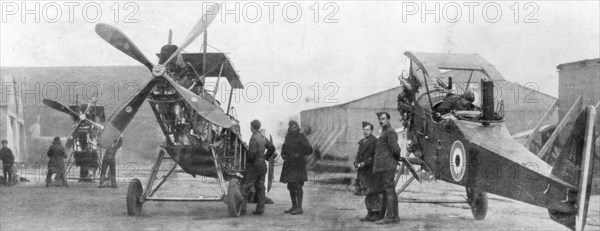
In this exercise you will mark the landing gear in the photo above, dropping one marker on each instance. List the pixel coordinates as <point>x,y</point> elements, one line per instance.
<point>477,199</point>
<point>134,197</point>
<point>234,198</point>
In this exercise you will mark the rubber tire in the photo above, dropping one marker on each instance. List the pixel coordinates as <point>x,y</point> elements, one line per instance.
<point>134,193</point>
<point>478,201</point>
<point>234,198</point>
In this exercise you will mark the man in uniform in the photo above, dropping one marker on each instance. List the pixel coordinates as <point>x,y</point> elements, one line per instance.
<point>454,102</point>
<point>364,166</point>
<point>8,160</point>
<point>387,155</point>
<point>108,162</point>
<point>56,153</point>
<point>256,167</point>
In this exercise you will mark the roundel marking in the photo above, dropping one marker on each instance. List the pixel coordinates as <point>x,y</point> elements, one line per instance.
<point>458,159</point>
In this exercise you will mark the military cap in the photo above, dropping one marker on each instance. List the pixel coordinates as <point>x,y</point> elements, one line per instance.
<point>364,124</point>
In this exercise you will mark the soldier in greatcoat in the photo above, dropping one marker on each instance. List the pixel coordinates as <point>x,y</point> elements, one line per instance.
<point>365,177</point>
<point>294,150</point>
<point>56,164</point>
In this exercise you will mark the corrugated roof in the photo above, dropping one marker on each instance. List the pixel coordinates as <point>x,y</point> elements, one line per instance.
<point>359,99</point>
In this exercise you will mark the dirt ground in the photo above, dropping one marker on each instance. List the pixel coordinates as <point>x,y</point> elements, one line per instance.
<point>32,206</point>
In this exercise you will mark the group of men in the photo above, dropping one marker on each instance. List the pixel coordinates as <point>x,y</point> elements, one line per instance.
<point>293,152</point>
<point>56,166</point>
<point>377,158</point>
<point>376,162</point>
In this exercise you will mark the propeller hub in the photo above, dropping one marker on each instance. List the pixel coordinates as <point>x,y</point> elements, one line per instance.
<point>82,117</point>
<point>158,70</point>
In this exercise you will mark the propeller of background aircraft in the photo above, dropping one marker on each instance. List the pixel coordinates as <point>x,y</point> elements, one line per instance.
<point>82,117</point>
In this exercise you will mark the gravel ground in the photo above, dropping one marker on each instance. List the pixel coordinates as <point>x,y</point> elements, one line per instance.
<point>32,206</point>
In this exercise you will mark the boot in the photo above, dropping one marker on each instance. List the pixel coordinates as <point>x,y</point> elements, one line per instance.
<point>243,206</point>
<point>375,216</point>
<point>298,209</point>
<point>294,203</point>
<point>258,213</point>
<point>113,182</point>
<point>269,201</point>
<point>102,179</point>
<point>396,217</point>
<point>391,216</point>
<point>368,217</point>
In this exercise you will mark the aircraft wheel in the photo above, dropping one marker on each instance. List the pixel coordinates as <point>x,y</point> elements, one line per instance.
<point>477,199</point>
<point>234,198</point>
<point>134,196</point>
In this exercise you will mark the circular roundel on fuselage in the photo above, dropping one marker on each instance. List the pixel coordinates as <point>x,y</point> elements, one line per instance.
<point>458,161</point>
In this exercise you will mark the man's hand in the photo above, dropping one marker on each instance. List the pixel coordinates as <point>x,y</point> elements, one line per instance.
<point>358,165</point>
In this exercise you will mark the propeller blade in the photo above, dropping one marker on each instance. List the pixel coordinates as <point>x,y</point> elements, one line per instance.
<point>97,125</point>
<point>196,31</point>
<point>206,109</point>
<point>60,107</point>
<point>119,120</point>
<point>119,40</point>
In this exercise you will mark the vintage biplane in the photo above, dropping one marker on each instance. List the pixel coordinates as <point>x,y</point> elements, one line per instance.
<point>82,142</point>
<point>200,137</point>
<point>474,148</point>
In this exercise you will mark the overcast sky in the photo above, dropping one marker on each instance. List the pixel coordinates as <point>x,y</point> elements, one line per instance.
<point>360,51</point>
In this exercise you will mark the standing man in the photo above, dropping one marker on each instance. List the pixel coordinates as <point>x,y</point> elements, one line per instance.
<point>8,161</point>
<point>108,162</point>
<point>256,167</point>
<point>364,166</point>
<point>56,153</point>
<point>387,155</point>
<point>294,149</point>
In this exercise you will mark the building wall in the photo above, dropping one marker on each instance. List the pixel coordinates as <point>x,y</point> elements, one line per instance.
<point>524,105</point>
<point>523,108</point>
<point>334,131</point>
<point>11,119</point>
<point>324,128</point>
<point>578,79</point>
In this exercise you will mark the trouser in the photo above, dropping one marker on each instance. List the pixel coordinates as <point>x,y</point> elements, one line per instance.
<point>255,177</point>
<point>108,163</point>
<point>373,202</point>
<point>389,193</point>
<point>296,193</point>
<point>360,186</point>
<point>60,174</point>
<point>7,172</point>
<point>83,173</point>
